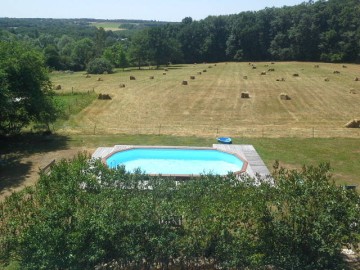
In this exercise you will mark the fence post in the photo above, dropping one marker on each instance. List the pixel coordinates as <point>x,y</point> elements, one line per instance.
<point>159,129</point>
<point>94,128</point>
<point>313,132</point>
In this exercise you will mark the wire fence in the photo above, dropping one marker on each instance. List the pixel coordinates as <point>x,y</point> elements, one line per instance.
<point>207,130</point>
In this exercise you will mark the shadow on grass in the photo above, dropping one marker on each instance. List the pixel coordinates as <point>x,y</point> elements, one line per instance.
<point>13,170</point>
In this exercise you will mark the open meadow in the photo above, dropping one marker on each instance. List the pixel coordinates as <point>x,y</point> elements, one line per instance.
<point>108,26</point>
<point>322,100</point>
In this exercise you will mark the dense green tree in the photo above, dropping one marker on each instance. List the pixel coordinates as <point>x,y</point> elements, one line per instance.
<point>215,42</point>
<point>139,49</point>
<point>82,53</point>
<point>191,37</point>
<point>116,55</point>
<point>52,57</point>
<point>99,66</point>
<point>25,88</point>
<point>162,49</point>
<point>100,40</point>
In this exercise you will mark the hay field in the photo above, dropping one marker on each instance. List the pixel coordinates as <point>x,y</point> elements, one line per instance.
<point>108,26</point>
<point>320,105</point>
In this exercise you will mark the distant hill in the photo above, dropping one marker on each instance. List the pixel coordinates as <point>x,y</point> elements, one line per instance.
<point>33,27</point>
<point>120,25</point>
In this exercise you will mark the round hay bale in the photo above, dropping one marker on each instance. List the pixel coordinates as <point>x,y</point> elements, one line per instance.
<point>132,78</point>
<point>209,66</point>
<point>204,70</point>
<point>165,69</point>
<point>151,77</point>
<point>296,75</point>
<point>100,79</point>
<point>280,80</point>
<point>326,79</point>
<point>284,96</point>
<point>263,73</point>
<point>352,91</point>
<point>272,63</point>
<point>192,77</point>
<point>344,66</point>
<point>253,67</point>
<point>245,95</point>
<point>355,123</point>
<point>199,73</point>
<point>104,97</point>
<point>88,76</point>
<point>336,72</point>
<point>184,83</point>
<point>316,66</point>
<point>356,79</point>
<point>122,85</point>
<point>245,77</point>
<point>271,69</point>
<point>58,87</point>
<point>164,73</point>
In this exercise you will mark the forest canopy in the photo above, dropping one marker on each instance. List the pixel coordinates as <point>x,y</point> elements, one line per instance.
<point>321,30</point>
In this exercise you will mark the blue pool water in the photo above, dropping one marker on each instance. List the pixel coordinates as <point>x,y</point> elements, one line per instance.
<point>176,161</point>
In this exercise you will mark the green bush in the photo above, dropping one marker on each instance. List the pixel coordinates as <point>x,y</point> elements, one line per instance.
<point>99,66</point>
<point>84,215</point>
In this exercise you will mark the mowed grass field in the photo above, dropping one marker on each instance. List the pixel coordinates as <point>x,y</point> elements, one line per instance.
<point>108,26</point>
<point>211,104</point>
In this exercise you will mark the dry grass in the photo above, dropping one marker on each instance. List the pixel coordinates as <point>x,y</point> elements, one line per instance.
<point>213,100</point>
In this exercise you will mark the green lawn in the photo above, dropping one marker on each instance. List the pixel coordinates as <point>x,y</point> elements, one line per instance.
<point>72,103</point>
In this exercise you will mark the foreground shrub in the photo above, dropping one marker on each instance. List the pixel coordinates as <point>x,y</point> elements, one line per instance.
<point>84,215</point>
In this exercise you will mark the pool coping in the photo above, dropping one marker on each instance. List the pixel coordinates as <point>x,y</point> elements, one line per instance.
<point>256,168</point>
<point>179,176</point>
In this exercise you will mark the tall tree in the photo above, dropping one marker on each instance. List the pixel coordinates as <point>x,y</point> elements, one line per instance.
<point>116,55</point>
<point>162,48</point>
<point>25,88</point>
<point>82,53</point>
<point>139,48</point>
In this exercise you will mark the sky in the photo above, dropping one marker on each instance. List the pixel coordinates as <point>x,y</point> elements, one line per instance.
<point>158,10</point>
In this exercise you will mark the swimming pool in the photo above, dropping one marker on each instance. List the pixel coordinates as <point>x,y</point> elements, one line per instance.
<point>177,161</point>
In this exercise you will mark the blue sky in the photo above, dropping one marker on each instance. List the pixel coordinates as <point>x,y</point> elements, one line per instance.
<point>160,10</point>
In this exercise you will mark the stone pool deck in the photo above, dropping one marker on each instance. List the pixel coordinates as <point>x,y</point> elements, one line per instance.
<point>256,167</point>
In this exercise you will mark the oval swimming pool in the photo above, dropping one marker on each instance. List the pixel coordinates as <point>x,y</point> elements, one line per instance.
<point>176,161</point>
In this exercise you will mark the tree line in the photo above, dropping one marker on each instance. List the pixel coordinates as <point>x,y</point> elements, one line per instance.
<point>84,215</point>
<point>312,31</point>
<point>326,31</point>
